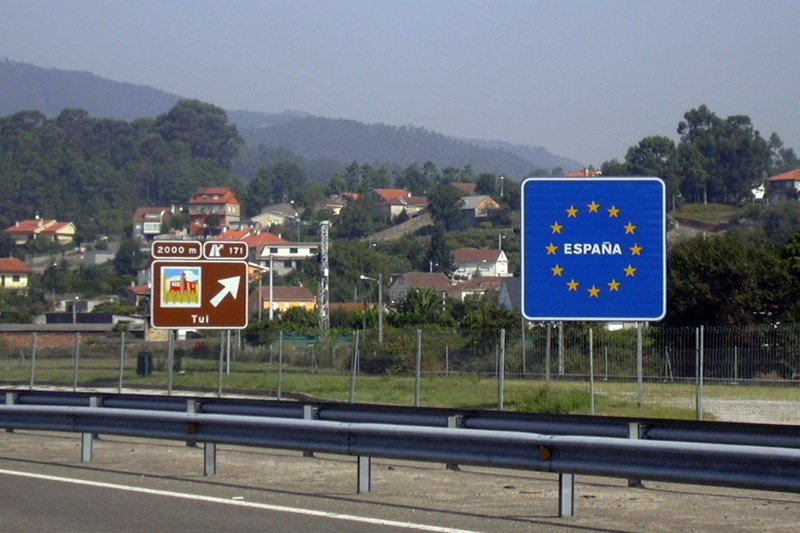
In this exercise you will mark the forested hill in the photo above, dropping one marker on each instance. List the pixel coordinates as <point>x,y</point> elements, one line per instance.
<point>349,140</point>
<point>28,87</point>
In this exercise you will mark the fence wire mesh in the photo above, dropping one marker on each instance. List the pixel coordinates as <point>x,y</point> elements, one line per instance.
<point>724,373</point>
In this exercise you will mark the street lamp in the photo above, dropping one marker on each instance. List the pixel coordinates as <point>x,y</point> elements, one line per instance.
<point>501,185</point>
<point>75,310</point>
<point>379,281</point>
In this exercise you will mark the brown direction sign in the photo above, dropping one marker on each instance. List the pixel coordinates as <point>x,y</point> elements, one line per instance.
<point>225,250</point>
<point>177,250</point>
<point>199,294</point>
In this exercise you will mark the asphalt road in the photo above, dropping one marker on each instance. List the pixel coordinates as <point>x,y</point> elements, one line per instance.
<point>148,485</point>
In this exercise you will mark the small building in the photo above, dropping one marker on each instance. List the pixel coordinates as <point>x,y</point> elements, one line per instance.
<point>277,215</point>
<point>209,203</point>
<point>510,295</point>
<point>784,186</point>
<point>479,262</point>
<point>151,221</point>
<point>402,284</point>
<point>465,189</point>
<point>39,228</point>
<point>283,298</point>
<point>337,202</point>
<point>14,274</point>
<point>391,203</point>
<point>474,210</point>
<point>476,288</point>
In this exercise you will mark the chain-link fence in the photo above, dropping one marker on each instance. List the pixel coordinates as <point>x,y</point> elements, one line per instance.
<point>723,373</point>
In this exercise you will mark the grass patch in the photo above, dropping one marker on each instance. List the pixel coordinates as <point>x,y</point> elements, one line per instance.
<point>710,213</point>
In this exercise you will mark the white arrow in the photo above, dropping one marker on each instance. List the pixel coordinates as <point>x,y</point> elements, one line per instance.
<point>229,286</point>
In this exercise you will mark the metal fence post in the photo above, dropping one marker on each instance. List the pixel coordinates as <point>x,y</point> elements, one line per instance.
<point>219,365</point>
<point>446,360</point>
<point>501,374</point>
<point>170,359</point>
<point>566,495</point>
<point>591,373</point>
<point>735,365</point>
<point>280,365</point>
<point>639,369</point>
<point>418,369</point>
<point>524,365</point>
<point>75,364</point>
<point>353,366</point>
<point>228,352</point>
<point>33,360</point>
<point>561,348</point>
<point>121,359</point>
<point>547,349</point>
<point>700,357</point>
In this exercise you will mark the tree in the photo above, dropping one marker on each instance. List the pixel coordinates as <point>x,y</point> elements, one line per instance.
<point>486,184</point>
<point>723,280</point>
<point>782,159</point>
<point>728,154</point>
<point>203,128</point>
<point>129,257</point>
<point>444,204</point>
<point>439,255</point>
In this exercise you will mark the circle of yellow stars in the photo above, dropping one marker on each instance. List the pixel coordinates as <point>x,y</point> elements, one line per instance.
<point>614,285</point>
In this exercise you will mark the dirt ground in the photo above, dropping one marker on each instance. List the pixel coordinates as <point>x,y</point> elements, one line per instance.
<point>473,498</point>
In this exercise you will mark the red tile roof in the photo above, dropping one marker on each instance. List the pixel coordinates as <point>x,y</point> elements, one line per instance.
<point>402,200</point>
<point>434,280</point>
<point>139,290</point>
<point>36,226</point>
<point>792,175</point>
<point>233,235</point>
<point>486,284</point>
<point>215,195</point>
<point>150,213</point>
<point>466,188</point>
<point>263,239</point>
<point>391,194</point>
<point>12,265</point>
<point>475,255</point>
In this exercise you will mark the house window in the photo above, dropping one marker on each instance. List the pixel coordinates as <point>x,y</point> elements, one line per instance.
<point>15,278</point>
<point>292,250</point>
<point>287,264</point>
<point>273,250</point>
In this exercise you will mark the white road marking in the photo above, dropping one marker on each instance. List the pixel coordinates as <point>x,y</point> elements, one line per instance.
<point>239,503</point>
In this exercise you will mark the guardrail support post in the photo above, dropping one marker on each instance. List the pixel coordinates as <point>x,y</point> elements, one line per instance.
<point>364,474</point>
<point>209,459</point>
<point>635,433</point>
<point>11,399</point>
<point>455,421</point>
<point>87,451</point>
<point>566,495</point>
<point>191,408</point>
<point>310,412</point>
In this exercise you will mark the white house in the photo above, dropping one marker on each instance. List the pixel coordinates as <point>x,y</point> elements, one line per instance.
<point>479,262</point>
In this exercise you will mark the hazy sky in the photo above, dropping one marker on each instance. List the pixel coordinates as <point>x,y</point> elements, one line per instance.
<point>584,79</point>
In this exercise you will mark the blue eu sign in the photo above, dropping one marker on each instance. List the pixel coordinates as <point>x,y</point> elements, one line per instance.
<point>593,249</point>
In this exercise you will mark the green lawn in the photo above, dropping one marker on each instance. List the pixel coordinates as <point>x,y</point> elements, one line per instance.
<point>660,400</point>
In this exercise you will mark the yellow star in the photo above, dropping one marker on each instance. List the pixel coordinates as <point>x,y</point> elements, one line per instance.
<point>594,207</point>
<point>556,227</point>
<point>613,285</point>
<point>572,212</point>
<point>557,270</point>
<point>636,249</point>
<point>594,292</point>
<point>630,228</point>
<point>552,249</point>
<point>573,285</point>
<point>630,271</point>
<point>613,212</point>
